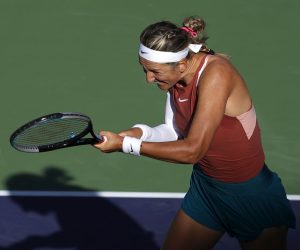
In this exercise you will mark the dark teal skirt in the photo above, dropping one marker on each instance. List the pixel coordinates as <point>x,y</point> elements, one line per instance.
<point>242,210</point>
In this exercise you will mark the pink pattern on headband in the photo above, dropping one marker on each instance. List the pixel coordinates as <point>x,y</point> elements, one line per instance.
<point>190,31</point>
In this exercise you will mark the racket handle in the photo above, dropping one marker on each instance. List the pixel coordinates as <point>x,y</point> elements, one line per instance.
<point>100,138</point>
<point>94,140</point>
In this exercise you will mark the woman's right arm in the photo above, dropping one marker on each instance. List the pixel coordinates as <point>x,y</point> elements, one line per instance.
<point>161,133</point>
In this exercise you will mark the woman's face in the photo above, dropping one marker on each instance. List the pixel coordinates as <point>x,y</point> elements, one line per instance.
<point>164,75</point>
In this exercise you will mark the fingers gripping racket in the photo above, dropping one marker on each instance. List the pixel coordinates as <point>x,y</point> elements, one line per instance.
<point>54,131</point>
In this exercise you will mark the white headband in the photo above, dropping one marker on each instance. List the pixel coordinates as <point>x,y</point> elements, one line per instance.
<point>166,57</point>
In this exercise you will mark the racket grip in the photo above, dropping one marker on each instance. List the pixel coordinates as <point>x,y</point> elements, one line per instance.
<point>100,138</point>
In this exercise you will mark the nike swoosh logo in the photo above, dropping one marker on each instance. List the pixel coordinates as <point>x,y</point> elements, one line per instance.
<point>182,100</point>
<point>144,52</point>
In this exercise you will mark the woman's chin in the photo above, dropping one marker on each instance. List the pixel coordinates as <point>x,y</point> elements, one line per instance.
<point>163,86</point>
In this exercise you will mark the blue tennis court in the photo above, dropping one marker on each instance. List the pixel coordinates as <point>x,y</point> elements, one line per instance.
<point>91,220</point>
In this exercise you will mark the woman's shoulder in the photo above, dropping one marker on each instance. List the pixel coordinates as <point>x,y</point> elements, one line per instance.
<point>219,60</point>
<point>219,64</point>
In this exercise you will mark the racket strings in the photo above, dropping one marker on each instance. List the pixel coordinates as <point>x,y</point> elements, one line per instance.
<point>51,131</point>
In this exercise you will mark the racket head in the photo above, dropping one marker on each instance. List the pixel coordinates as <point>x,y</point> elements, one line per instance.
<point>53,131</point>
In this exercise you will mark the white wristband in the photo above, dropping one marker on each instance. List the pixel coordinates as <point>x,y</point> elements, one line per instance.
<point>131,145</point>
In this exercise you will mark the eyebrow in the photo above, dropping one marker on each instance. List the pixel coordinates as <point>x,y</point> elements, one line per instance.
<point>156,70</point>
<point>151,69</point>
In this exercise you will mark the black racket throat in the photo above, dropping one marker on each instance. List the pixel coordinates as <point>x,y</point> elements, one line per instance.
<point>54,131</point>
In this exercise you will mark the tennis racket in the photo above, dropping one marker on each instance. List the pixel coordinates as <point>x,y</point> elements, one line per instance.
<point>54,131</point>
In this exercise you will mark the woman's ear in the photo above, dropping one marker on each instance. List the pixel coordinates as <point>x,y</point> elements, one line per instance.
<point>182,66</point>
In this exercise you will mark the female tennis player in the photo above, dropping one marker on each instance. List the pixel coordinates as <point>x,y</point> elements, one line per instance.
<point>210,122</point>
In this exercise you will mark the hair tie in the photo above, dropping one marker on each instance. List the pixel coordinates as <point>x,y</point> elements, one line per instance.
<point>190,31</point>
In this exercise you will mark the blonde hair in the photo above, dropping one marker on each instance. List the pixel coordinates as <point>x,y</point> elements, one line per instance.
<point>167,36</point>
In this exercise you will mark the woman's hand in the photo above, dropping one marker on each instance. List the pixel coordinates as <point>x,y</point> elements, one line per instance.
<point>112,142</point>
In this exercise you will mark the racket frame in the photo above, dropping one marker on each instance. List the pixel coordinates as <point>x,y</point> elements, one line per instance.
<point>76,140</point>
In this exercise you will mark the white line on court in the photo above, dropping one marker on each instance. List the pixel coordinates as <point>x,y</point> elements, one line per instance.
<point>92,194</point>
<point>165,195</point>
